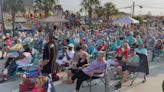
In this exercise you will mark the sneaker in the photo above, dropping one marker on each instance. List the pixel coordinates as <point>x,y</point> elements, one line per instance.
<point>118,86</point>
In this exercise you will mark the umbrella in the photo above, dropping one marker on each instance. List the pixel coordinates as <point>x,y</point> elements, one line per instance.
<point>126,20</point>
<point>54,19</point>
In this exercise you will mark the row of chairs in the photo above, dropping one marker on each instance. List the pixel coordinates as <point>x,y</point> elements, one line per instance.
<point>142,68</point>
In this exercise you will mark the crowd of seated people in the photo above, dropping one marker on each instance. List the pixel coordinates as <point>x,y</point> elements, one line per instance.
<point>92,71</point>
<point>74,51</point>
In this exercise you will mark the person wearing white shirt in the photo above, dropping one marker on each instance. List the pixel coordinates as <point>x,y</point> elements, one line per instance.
<point>26,60</point>
<point>22,59</point>
<point>69,55</point>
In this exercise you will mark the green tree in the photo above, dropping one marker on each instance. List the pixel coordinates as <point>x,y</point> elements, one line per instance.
<point>99,11</point>
<point>13,7</point>
<point>46,5</point>
<point>109,9</point>
<point>89,6</point>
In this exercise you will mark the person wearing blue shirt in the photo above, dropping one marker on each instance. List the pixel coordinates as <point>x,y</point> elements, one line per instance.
<point>141,50</point>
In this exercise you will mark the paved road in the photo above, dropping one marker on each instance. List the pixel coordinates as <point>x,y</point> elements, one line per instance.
<point>153,84</point>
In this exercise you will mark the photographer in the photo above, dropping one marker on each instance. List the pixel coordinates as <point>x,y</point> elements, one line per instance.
<point>67,55</point>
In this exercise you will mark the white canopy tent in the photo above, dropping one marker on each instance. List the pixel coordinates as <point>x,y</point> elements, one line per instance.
<point>126,20</point>
<point>53,19</point>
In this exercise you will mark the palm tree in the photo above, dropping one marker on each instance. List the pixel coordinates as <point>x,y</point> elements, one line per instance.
<point>110,9</point>
<point>13,7</point>
<point>99,11</point>
<point>46,5</point>
<point>89,5</point>
<point>59,9</point>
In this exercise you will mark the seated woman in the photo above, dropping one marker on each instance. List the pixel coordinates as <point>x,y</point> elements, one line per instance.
<point>22,59</point>
<point>82,62</point>
<point>134,44</point>
<point>12,56</point>
<point>91,72</point>
<point>130,65</point>
<point>18,46</point>
<point>156,49</point>
<point>120,55</point>
<point>7,45</point>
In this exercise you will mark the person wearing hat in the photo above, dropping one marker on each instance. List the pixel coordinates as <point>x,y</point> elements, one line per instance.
<point>92,71</point>
<point>130,65</point>
<point>141,49</point>
<point>69,54</point>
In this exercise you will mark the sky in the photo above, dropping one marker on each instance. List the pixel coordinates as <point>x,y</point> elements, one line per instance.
<point>154,7</point>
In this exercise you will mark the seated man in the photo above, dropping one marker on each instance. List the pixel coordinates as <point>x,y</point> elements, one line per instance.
<point>22,59</point>
<point>129,65</point>
<point>67,55</point>
<point>91,72</point>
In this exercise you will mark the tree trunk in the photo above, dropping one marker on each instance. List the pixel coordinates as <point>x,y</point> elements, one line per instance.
<point>107,16</point>
<point>13,21</point>
<point>3,25</point>
<point>46,10</point>
<point>90,16</point>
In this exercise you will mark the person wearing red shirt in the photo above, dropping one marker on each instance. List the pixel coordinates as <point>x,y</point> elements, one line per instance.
<point>7,44</point>
<point>121,54</point>
<point>102,47</point>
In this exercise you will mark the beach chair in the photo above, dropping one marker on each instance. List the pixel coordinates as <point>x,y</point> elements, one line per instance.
<point>25,66</point>
<point>142,68</point>
<point>102,77</point>
<point>162,54</point>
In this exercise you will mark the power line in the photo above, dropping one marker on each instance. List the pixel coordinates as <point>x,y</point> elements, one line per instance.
<point>152,7</point>
<point>127,7</point>
<point>148,3</point>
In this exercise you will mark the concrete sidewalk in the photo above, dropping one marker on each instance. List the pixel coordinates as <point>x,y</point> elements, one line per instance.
<point>153,83</point>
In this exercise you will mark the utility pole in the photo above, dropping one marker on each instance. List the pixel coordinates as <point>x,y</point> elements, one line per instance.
<point>133,8</point>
